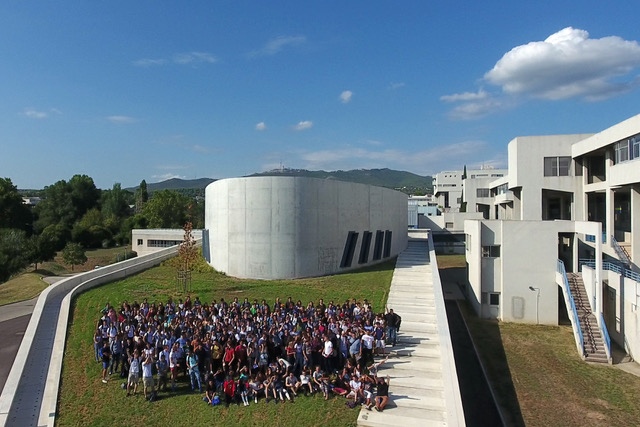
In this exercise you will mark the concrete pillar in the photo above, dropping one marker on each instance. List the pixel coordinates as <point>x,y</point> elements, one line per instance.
<point>635,226</point>
<point>598,270</point>
<point>609,215</point>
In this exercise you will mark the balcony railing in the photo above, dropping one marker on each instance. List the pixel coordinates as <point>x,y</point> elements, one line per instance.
<point>575,321</point>
<point>617,268</point>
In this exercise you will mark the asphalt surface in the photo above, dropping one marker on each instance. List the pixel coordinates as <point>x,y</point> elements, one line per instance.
<point>11,333</point>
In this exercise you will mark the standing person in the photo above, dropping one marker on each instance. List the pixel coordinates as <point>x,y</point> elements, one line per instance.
<point>327,355</point>
<point>382,396</point>
<point>147,376</point>
<point>134,372</point>
<point>163,368</point>
<point>367,348</point>
<point>174,364</point>
<point>379,335</point>
<point>116,352</point>
<point>97,344</point>
<point>229,388</point>
<point>105,354</point>
<point>194,371</point>
<point>393,323</point>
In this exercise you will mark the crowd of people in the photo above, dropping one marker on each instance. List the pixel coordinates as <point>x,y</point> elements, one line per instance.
<point>238,352</point>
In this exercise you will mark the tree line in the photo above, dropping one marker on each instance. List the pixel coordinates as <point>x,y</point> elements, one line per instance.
<point>76,212</point>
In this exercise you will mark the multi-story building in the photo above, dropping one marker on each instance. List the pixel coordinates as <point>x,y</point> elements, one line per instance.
<point>563,215</point>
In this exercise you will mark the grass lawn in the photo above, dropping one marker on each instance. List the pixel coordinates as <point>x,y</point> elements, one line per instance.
<point>22,287</point>
<point>28,284</point>
<point>84,400</point>
<point>540,380</point>
<point>451,261</point>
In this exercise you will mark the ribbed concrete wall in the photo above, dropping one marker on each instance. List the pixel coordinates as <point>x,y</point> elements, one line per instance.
<point>291,227</point>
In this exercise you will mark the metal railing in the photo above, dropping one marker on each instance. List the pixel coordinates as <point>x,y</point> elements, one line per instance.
<point>575,321</point>
<point>622,254</point>
<point>605,335</point>
<point>611,266</point>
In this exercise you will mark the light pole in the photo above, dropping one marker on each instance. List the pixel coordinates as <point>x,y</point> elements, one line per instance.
<point>531,288</point>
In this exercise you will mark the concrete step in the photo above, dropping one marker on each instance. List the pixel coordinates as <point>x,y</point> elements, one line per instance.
<point>402,417</point>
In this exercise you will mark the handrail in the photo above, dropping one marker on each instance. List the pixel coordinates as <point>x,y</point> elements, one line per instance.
<point>611,266</point>
<point>577,329</point>
<point>622,254</point>
<point>605,335</point>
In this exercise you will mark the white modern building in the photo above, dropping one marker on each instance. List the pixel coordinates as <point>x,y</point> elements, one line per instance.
<point>564,236</point>
<point>292,227</point>
<point>448,188</point>
<point>146,241</point>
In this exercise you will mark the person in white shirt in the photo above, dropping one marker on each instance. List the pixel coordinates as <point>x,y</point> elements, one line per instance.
<point>327,355</point>
<point>147,375</point>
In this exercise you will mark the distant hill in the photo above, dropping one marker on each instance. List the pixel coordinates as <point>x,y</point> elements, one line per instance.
<point>176,184</point>
<point>399,180</point>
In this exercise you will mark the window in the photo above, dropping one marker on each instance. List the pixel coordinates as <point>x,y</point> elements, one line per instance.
<point>482,192</point>
<point>364,248</point>
<point>387,243</point>
<point>162,243</point>
<point>557,166</point>
<point>622,151</point>
<point>377,246</point>
<point>494,299</point>
<point>448,225</point>
<point>491,251</point>
<point>627,149</point>
<point>349,249</point>
<point>139,242</point>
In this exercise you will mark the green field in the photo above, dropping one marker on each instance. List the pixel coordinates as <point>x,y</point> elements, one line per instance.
<point>538,376</point>
<point>29,284</point>
<point>84,400</point>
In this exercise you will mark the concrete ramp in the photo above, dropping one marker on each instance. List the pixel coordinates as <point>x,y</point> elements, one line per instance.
<point>424,385</point>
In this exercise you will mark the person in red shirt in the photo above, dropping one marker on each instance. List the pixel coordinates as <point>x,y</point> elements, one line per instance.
<point>229,387</point>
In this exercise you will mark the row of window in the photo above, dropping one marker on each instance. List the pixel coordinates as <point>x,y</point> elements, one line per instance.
<point>627,149</point>
<point>160,243</point>
<point>381,247</point>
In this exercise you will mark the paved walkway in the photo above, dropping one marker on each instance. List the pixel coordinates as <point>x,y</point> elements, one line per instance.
<point>418,393</point>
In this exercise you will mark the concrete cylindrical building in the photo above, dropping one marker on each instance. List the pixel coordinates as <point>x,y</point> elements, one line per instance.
<point>292,227</point>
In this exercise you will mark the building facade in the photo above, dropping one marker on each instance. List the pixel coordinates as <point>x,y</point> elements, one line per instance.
<point>293,227</point>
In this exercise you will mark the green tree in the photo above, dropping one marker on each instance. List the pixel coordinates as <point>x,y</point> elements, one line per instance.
<point>13,212</point>
<point>73,254</point>
<point>167,209</point>
<point>142,196</point>
<point>89,230</point>
<point>42,248</point>
<point>14,252</point>
<point>114,202</point>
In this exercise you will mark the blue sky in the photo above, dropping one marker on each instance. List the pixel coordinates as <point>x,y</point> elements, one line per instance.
<point>130,90</point>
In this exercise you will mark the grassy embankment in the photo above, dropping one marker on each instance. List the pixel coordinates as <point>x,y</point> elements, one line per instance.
<point>84,400</point>
<point>540,380</point>
<point>29,284</point>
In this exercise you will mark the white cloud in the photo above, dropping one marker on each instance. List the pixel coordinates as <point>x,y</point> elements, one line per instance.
<point>261,126</point>
<point>568,64</point>
<point>476,109</point>
<point>32,113</point>
<point>121,119</point>
<point>166,176</point>
<point>184,58</point>
<point>276,45</point>
<point>194,58</point>
<point>345,97</point>
<point>466,96</point>
<point>394,86</point>
<point>148,62</point>
<point>306,124</point>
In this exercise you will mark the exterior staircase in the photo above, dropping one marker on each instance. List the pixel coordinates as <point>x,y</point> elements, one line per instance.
<point>594,346</point>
